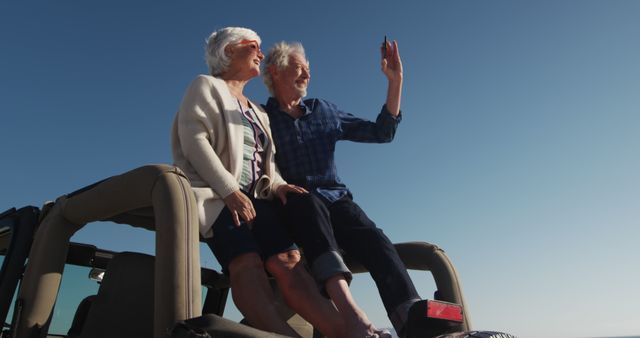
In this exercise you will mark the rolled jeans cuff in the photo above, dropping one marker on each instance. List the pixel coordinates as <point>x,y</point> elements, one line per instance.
<point>400,315</point>
<point>328,265</point>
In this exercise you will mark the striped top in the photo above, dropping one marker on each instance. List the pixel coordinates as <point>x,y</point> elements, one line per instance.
<point>255,143</point>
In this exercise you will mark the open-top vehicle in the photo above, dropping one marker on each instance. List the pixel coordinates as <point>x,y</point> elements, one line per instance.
<point>129,294</point>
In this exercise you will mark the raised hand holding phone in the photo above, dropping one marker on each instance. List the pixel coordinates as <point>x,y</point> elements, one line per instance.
<point>391,63</point>
<point>392,68</point>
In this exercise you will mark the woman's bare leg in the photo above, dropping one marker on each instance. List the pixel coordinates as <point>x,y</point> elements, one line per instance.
<point>301,294</point>
<point>254,297</point>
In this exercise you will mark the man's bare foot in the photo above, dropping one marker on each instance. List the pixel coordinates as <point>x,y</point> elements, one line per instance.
<point>359,326</point>
<point>382,333</point>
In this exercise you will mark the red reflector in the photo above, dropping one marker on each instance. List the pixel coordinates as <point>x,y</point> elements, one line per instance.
<point>443,310</point>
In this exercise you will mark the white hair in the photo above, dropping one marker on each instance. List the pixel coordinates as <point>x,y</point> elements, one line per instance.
<point>214,55</point>
<point>278,56</point>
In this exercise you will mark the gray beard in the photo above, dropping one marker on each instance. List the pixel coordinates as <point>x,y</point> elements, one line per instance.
<point>302,92</point>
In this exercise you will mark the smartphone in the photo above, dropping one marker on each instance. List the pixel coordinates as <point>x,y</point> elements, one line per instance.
<point>384,47</point>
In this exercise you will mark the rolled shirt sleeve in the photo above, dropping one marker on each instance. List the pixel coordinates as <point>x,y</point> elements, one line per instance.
<point>383,130</point>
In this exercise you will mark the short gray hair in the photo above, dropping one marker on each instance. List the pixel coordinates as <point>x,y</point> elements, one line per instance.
<point>214,55</point>
<point>278,56</point>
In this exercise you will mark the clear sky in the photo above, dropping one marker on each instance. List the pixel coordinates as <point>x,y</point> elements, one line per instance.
<point>517,153</point>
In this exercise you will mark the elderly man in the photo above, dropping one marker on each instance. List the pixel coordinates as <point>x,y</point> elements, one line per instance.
<point>305,133</point>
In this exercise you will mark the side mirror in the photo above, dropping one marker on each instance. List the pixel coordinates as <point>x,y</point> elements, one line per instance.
<point>96,274</point>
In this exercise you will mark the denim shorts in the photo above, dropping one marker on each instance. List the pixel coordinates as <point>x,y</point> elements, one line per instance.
<point>267,236</point>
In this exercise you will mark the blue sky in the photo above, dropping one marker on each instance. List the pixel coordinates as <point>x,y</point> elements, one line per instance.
<point>517,153</point>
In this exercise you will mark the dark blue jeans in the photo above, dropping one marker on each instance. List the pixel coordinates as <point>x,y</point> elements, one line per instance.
<point>309,225</point>
<point>360,238</point>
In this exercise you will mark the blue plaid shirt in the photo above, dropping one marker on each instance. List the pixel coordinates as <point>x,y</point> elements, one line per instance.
<point>305,146</point>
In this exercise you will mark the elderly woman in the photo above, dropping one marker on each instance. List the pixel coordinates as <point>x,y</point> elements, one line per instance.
<point>222,141</point>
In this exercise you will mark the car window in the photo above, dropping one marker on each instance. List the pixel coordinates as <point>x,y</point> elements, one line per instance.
<point>10,312</point>
<point>5,241</point>
<point>75,286</point>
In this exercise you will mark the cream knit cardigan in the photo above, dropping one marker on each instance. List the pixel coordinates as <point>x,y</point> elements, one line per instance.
<point>207,143</point>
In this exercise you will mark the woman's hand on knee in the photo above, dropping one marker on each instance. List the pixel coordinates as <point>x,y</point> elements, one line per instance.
<point>284,189</point>
<point>241,207</point>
